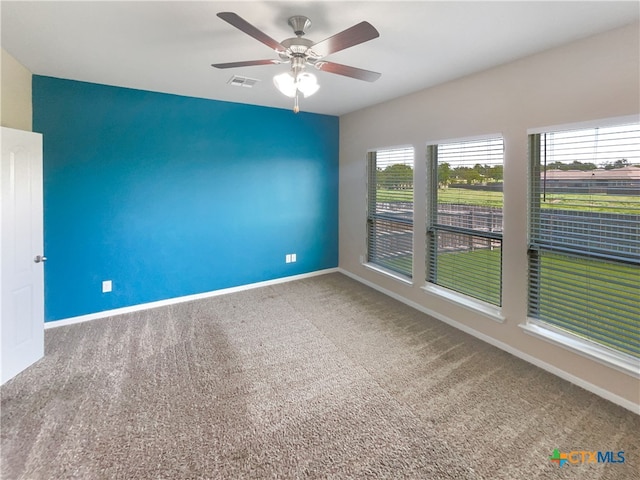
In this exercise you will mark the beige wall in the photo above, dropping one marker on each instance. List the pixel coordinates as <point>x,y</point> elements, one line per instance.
<point>591,79</point>
<point>15,105</point>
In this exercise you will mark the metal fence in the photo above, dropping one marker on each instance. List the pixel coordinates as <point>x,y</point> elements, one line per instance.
<point>590,230</point>
<point>571,228</point>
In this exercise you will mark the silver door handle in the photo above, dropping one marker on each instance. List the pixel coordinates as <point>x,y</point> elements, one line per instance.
<point>40,258</point>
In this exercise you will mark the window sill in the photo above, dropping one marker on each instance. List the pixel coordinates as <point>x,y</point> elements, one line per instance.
<point>389,273</point>
<point>621,362</point>
<point>477,306</point>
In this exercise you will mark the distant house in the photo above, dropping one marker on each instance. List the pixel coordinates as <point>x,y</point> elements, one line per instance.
<point>621,181</point>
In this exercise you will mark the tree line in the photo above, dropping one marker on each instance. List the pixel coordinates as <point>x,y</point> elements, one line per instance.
<point>400,176</point>
<point>470,175</point>
<point>586,166</point>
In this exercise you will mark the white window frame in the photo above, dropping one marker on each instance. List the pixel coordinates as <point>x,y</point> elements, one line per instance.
<point>544,331</point>
<point>486,309</point>
<point>371,216</point>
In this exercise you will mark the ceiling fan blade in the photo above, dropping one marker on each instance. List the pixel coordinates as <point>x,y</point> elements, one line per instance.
<point>360,33</point>
<point>246,27</point>
<point>248,63</point>
<point>347,71</point>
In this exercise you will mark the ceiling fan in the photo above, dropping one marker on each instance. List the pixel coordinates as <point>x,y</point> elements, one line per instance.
<point>301,52</point>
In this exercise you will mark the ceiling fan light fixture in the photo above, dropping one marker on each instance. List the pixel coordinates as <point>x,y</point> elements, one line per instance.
<point>286,84</point>
<point>305,83</point>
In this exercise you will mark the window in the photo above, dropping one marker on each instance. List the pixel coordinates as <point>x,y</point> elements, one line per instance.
<point>464,225</point>
<point>584,252</point>
<point>390,210</point>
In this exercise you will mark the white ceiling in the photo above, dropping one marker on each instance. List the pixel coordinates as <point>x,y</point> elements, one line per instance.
<point>169,46</point>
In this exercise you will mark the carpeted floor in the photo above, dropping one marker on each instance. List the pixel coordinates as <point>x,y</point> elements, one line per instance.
<point>318,378</point>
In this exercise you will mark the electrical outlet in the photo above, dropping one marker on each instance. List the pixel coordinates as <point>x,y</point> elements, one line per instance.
<point>288,258</point>
<point>293,257</point>
<point>107,286</point>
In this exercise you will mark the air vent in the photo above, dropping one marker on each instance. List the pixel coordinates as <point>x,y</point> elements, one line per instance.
<point>238,81</point>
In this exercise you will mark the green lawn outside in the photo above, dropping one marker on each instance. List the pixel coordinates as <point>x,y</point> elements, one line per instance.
<point>402,264</point>
<point>586,297</point>
<point>629,204</point>
<point>475,273</point>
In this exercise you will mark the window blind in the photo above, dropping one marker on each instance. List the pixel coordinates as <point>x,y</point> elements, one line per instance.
<point>390,209</point>
<point>584,252</point>
<point>464,233</point>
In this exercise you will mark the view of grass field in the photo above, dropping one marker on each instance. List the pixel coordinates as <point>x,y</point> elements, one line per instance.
<point>402,264</point>
<point>608,317</point>
<point>454,272</point>
<point>630,204</point>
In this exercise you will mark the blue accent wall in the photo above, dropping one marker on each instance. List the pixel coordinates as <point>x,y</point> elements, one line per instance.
<point>169,196</point>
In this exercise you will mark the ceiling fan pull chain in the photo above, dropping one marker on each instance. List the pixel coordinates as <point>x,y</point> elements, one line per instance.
<point>296,108</point>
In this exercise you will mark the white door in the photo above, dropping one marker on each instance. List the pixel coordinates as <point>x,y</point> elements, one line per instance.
<point>21,252</point>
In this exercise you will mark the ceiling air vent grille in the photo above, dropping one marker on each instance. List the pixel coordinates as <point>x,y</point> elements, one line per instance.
<point>238,81</point>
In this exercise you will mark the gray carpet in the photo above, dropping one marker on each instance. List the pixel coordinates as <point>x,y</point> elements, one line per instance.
<point>318,378</point>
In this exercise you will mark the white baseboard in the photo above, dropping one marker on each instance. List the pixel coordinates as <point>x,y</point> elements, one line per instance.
<point>186,298</point>
<point>601,392</point>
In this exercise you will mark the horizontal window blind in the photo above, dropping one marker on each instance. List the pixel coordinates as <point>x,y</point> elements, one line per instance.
<point>390,209</point>
<point>469,264</point>
<point>584,253</point>
<point>464,235</point>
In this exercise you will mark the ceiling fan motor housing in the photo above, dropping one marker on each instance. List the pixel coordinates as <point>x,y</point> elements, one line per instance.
<point>297,47</point>
<point>299,23</point>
